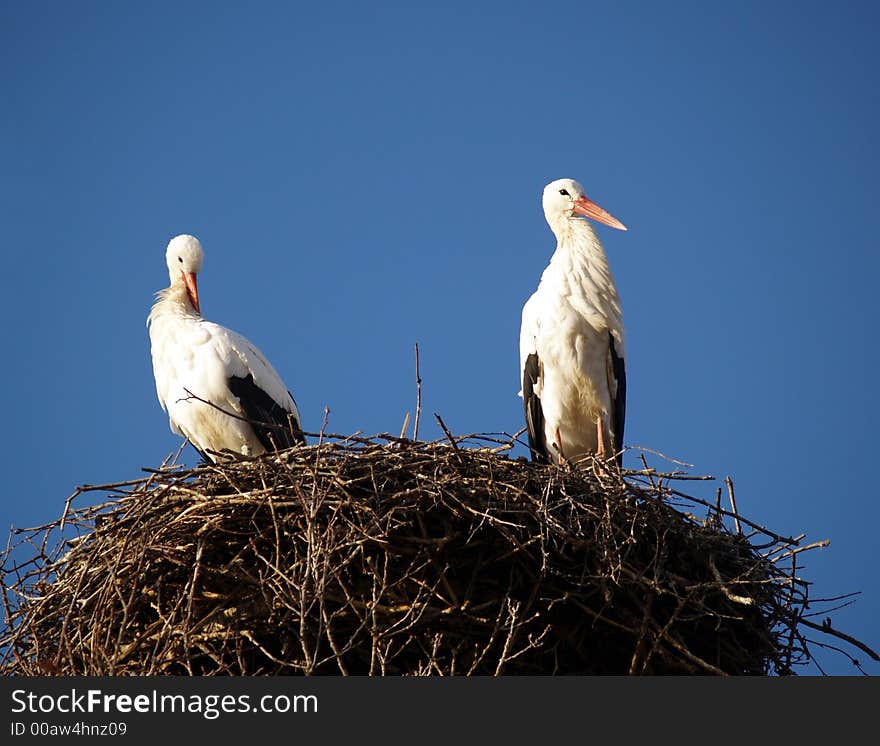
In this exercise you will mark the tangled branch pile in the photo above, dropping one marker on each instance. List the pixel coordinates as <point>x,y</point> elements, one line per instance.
<point>389,556</point>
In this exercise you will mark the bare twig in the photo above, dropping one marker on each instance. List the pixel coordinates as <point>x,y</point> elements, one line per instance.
<point>829,630</point>
<point>418,396</point>
<point>729,482</point>
<point>449,436</point>
<point>190,396</point>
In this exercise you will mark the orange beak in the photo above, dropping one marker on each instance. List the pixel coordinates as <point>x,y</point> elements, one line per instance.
<point>590,209</point>
<point>192,289</point>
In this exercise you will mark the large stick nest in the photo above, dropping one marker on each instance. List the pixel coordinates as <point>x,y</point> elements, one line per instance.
<point>390,556</point>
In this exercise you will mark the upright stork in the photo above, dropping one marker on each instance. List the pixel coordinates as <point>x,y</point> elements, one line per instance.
<point>219,390</point>
<point>572,346</point>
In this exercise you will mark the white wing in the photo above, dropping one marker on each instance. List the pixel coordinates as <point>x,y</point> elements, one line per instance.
<point>194,360</point>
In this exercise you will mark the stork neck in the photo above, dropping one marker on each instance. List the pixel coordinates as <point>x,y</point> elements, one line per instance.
<point>174,301</point>
<point>577,245</point>
<point>579,273</point>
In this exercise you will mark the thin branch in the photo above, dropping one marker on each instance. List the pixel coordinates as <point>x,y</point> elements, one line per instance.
<point>829,630</point>
<point>729,482</point>
<point>418,396</point>
<point>449,436</point>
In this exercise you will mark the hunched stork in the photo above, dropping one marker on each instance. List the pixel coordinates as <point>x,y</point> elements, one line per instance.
<point>219,390</point>
<point>572,345</point>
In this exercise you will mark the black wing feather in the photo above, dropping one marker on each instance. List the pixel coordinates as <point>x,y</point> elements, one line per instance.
<point>206,459</point>
<point>274,426</point>
<point>533,410</point>
<point>618,370</point>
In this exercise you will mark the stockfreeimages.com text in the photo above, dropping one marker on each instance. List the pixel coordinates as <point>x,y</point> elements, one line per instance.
<point>210,706</point>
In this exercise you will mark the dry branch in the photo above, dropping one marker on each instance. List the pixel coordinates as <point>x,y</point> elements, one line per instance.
<point>390,556</point>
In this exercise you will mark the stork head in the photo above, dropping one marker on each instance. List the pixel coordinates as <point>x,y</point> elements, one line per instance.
<point>184,257</point>
<point>565,198</point>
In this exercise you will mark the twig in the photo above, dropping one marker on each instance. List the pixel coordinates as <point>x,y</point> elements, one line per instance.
<point>661,455</point>
<point>449,436</point>
<point>418,396</point>
<point>793,540</point>
<point>729,482</point>
<point>829,630</point>
<point>322,434</point>
<point>190,396</point>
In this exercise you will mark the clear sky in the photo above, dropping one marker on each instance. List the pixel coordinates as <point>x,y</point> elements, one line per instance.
<point>364,176</point>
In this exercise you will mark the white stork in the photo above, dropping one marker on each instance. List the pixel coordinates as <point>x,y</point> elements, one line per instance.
<point>572,339</point>
<point>219,390</point>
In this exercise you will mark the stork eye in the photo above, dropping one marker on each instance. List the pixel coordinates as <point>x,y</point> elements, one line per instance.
<point>564,192</point>
<point>180,259</point>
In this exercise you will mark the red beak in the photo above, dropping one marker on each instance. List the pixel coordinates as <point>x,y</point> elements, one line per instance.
<point>192,289</point>
<point>590,209</point>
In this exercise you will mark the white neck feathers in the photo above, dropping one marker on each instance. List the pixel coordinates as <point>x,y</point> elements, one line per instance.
<point>173,301</point>
<point>579,271</point>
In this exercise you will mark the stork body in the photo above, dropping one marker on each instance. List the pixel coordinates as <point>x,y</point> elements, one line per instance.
<point>572,341</point>
<point>219,390</point>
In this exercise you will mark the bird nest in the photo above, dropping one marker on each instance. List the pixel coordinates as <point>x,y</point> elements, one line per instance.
<point>390,556</point>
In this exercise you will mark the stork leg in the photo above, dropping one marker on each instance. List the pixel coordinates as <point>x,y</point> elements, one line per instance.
<point>600,465</point>
<point>558,444</point>
<point>600,438</point>
<point>563,459</point>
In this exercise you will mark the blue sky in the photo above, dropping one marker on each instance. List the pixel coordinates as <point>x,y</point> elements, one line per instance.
<point>364,176</point>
